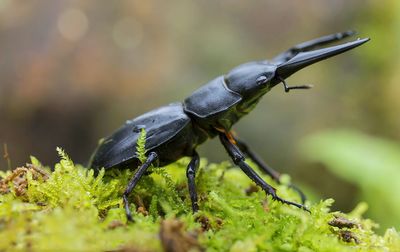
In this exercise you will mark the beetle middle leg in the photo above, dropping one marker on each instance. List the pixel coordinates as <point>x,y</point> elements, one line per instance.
<point>265,168</point>
<point>190,174</point>
<point>239,159</point>
<point>152,157</point>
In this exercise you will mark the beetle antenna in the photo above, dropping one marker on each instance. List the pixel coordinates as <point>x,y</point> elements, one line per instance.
<point>288,88</point>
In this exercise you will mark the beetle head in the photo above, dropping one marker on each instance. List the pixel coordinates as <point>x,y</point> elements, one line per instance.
<point>253,79</point>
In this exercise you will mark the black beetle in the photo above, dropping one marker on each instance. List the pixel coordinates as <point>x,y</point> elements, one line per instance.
<point>175,130</point>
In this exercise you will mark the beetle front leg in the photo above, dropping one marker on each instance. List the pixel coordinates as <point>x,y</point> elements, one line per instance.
<point>239,159</point>
<point>152,157</point>
<point>191,174</point>
<point>264,167</point>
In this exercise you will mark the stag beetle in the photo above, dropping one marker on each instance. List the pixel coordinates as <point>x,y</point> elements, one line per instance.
<point>175,130</point>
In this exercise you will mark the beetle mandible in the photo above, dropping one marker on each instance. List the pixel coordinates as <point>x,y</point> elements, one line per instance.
<point>175,130</point>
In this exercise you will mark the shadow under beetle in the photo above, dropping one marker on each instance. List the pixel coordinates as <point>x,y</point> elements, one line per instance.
<point>175,130</point>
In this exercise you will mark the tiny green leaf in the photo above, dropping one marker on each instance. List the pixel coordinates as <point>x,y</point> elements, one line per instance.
<point>141,146</point>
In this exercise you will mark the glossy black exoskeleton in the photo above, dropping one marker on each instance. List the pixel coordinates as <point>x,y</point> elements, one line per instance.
<point>175,130</point>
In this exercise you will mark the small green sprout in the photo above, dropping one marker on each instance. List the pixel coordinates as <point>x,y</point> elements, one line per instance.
<point>141,146</point>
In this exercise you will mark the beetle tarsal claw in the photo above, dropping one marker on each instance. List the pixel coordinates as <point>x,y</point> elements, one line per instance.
<point>292,203</point>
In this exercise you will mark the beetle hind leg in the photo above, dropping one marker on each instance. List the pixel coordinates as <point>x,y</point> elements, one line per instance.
<point>152,157</point>
<point>266,168</point>
<point>239,159</point>
<point>190,174</point>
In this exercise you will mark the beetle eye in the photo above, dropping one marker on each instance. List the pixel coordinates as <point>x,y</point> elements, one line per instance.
<point>261,80</point>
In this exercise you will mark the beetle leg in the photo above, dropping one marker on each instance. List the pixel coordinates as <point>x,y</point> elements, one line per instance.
<point>239,159</point>
<point>264,167</point>
<point>152,157</point>
<point>311,44</point>
<point>191,174</point>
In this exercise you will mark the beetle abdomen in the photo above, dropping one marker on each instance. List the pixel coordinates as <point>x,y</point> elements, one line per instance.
<point>162,125</point>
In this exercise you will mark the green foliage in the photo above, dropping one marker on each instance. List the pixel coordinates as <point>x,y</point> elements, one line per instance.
<point>72,210</point>
<point>141,146</point>
<point>371,163</point>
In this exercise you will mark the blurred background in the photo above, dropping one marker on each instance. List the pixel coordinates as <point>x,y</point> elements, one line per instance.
<point>72,72</point>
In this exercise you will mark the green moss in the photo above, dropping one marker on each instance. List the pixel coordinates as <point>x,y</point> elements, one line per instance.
<point>141,146</point>
<point>71,209</point>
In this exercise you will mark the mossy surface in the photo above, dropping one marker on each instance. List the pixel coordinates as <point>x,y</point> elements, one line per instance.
<point>70,209</point>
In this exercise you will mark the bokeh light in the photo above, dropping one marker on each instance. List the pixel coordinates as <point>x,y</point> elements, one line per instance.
<point>73,24</point>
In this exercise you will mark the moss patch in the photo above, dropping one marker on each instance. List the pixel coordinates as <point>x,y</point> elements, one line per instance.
<point>70,209</point>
